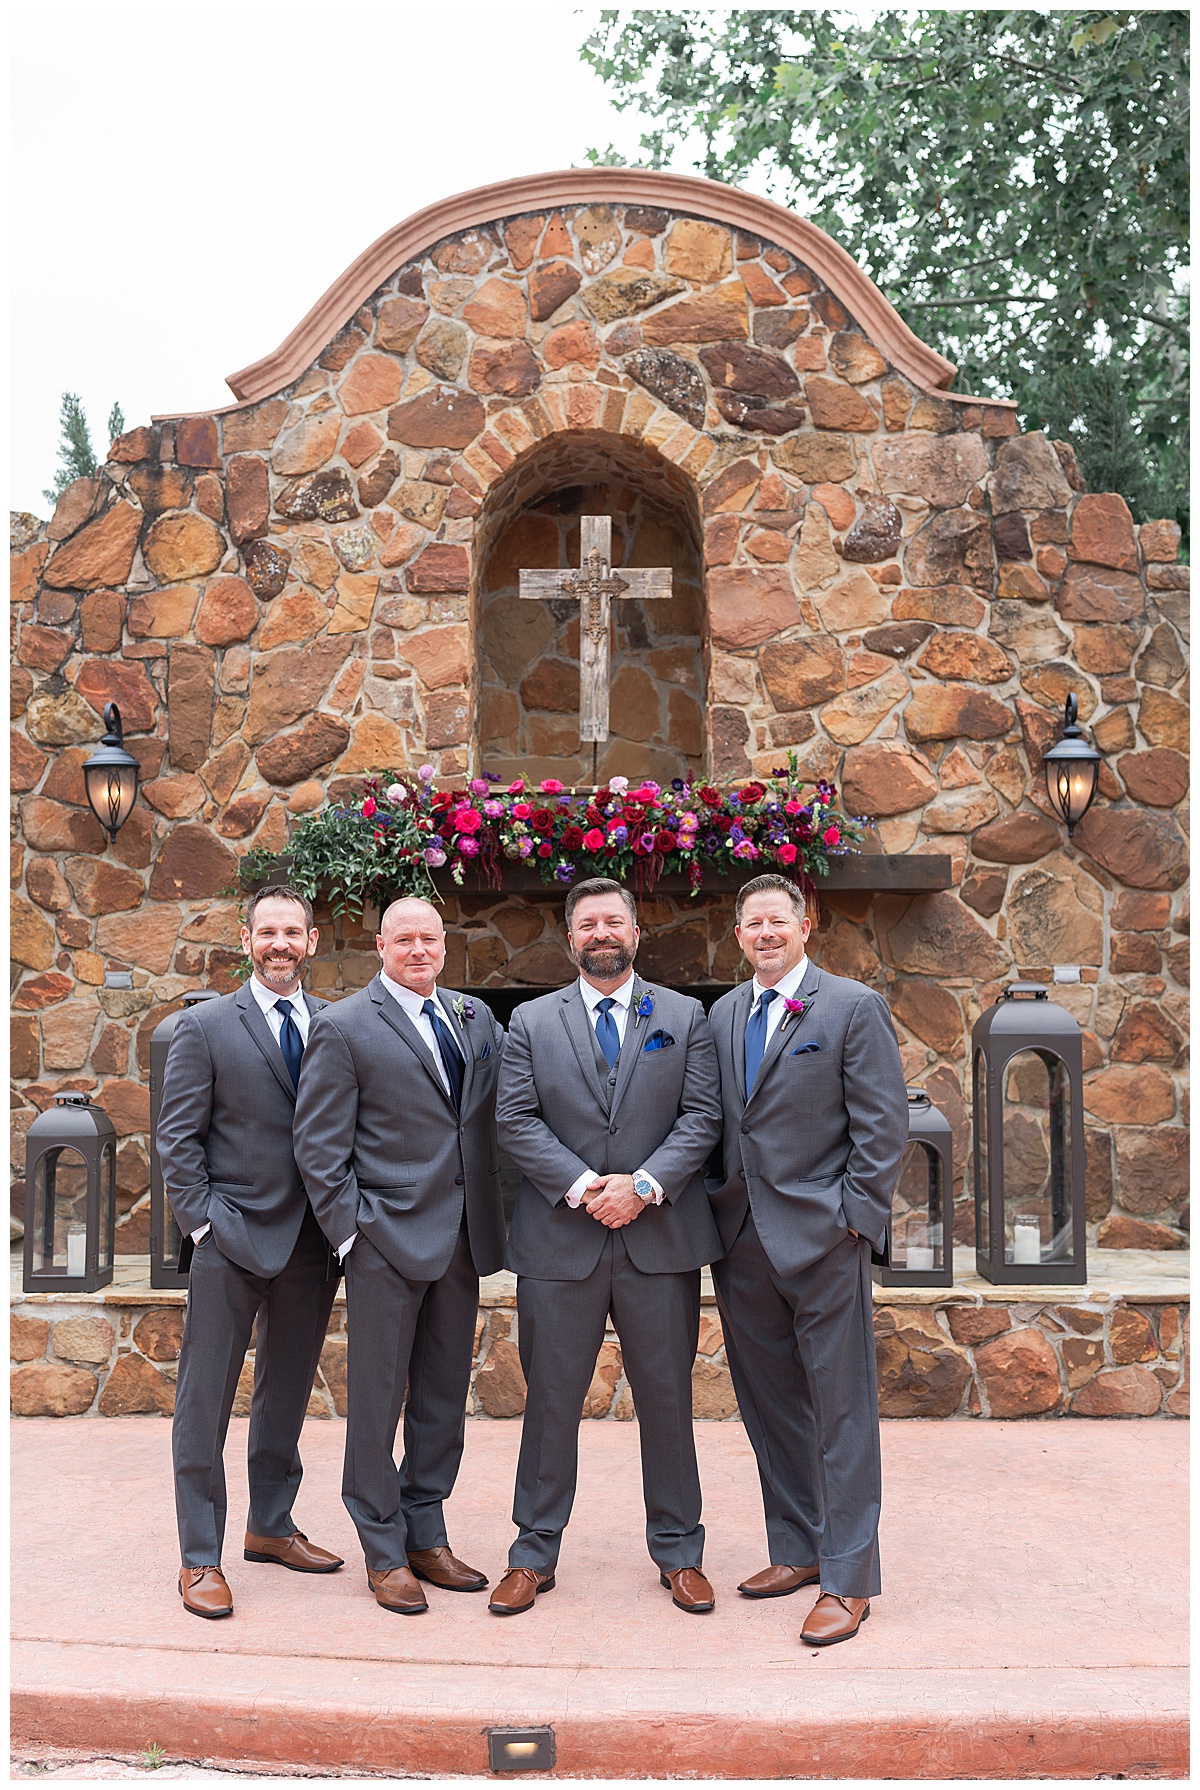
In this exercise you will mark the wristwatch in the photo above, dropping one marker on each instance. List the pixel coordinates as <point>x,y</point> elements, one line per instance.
<point>644,1188</point>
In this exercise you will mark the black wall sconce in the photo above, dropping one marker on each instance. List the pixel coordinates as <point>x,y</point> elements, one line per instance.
<point>1072,770</point>
<point>110,776</point>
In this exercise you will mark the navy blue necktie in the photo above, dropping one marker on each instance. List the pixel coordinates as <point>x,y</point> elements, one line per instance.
<point>450,1054</point>
<point>290,1041</point>
<point>606,1030</point>
<point>756,1038</point>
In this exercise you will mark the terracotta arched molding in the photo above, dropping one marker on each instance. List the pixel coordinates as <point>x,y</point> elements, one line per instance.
<point>586,186</point>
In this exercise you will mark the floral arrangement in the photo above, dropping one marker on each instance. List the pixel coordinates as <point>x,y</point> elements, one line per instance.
<point>404,828</point>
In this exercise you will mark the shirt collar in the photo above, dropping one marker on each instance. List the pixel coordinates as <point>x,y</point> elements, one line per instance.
<point>788,986</point>
<point>592,996</point>
<point>412,1003</point>
<point>267,998</point>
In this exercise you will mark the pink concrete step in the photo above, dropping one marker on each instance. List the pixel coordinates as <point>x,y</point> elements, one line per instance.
<point>1032,1623</point>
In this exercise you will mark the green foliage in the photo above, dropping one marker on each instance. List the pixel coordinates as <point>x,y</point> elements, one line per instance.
<point>76,456</point>
<point>1016,182</point>
<point>153,1756</point>
<point>348,858</point>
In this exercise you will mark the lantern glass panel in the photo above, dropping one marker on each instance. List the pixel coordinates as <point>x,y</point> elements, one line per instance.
<point>917,1240</point>
<point>982,1200</point>
<point>106,1204</point>
<point>1037,1180</point>
<point>60,1180</point>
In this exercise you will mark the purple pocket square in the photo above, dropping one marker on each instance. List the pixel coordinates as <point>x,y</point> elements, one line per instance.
<point>803,1049</point>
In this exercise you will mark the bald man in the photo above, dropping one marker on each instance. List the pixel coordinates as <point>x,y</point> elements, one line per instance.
<point>395,1136</point>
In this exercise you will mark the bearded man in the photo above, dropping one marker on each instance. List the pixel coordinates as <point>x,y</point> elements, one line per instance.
<point>252,1248</point>
<point>609,1104</point>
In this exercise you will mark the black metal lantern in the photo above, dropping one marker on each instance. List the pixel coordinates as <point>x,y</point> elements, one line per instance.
<point>1029,1157</point>
<point>164,1232</point>
<point>921,1228</point>
<point>110,776</point>
<point>1072,770</point>
<point>70,1198</point>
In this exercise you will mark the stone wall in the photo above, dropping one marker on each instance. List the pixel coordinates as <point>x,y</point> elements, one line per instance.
<point>895,584</point>
<point>946,1356</point>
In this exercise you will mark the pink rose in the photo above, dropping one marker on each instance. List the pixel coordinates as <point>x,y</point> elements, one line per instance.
<point>514,789</point>
<point>792,807</point>
<point>368,807</point>
<point>593,840</point>
<point>522,810</point>
<point>544,849</point>
<point>831,836</point>
<point>787,854</point>
<point>467,820</point>
<point>553,787</point>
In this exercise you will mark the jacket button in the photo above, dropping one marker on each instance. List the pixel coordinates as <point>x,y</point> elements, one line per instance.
<point>458,1180</point>
<point>612,1130</point>
<point>745,1130</point>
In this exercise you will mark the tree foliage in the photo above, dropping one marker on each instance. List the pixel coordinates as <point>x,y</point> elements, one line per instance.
<point>1015,182</point>
<point>76,456</point>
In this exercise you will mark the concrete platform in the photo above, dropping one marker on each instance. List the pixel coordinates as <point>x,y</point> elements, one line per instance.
<point>1033,1621</point>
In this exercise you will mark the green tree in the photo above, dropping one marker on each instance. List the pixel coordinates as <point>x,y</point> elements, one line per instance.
<point>1014,181</point>
<point>76,456</point>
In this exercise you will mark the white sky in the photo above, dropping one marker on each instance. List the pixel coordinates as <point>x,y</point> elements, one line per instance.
<point>188,180</point>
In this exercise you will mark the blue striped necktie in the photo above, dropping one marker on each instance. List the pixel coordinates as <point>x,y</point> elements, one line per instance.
<point>756,1037</point>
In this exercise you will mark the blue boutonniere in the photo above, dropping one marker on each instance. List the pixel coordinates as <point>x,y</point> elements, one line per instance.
<point>643,1010</point>
<point>463,1009</point>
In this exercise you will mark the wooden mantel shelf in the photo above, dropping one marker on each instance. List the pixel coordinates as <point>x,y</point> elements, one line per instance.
<point>898,873</point>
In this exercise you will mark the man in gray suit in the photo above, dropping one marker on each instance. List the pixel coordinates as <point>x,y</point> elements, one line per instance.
<point>816,1120</point>
<point>255,1250</point>
<point>609,1105</point>
<point>396,1138</point>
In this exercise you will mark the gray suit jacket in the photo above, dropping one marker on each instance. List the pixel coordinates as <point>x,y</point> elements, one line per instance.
<point>225,1133</point>
<point>557,1116</point>
<point>816,1149</point>
<point>379,1144</point>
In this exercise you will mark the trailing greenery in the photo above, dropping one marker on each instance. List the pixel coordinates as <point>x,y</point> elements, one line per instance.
<point>76,455</point>
<point>402,829</point>
<point>1016,182</point>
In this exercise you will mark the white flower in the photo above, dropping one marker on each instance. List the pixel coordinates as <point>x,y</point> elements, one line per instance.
<point>620,784</point>
<point>396,792</point>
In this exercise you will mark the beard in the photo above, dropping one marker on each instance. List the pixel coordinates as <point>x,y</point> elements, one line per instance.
<point>275,971</point>
<point>606,961</point>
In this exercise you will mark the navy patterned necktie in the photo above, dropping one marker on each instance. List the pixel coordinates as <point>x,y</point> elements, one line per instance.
<point>756,1037</point>
<point>606,1031</point>
<point>450,1054</point>
<point>290,1041</point>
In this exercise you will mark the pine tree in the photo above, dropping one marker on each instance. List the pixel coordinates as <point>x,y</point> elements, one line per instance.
<point>76,455</point>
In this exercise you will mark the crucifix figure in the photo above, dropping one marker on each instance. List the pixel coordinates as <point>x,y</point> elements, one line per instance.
<point>595,584</point>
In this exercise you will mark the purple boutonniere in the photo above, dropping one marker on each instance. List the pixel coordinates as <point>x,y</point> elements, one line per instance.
<point>643,1010</point>
<point>463,1009</point>
<point>794,1010</point>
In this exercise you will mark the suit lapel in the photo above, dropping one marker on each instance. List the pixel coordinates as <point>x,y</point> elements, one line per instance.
<point>631,1044</point>
<point>462,1034</point>
<point>255,1022</point>
<point>785,1033</point>
<point>393,1014</point>
<point>579,1030</point>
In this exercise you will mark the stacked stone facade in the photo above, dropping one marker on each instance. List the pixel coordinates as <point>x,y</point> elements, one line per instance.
<point>883,577</point>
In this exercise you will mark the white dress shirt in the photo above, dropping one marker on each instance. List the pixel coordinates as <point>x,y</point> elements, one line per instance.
<point>413,1005</point>
<point>787,988</point>
<point>619,1014</point>
<point>268,1000</point>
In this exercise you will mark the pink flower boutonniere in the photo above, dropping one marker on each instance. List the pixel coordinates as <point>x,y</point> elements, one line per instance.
<point>794,1010</point>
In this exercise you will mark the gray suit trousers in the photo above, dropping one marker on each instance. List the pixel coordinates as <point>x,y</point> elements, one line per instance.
<point>418,1334</point>
<point>292,1309</point>
<point>561,1327</point>
<point>801,1353</point>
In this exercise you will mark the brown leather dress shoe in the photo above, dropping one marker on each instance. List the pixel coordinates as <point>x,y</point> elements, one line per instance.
<point>398,1591</point>
<point>779,1581</point>
<point>204,1591</point>
<point>294,1551</point>
<point>689,1589</point>
<point>438,1566</point>
<point>517,1590</point>
<point>834,1618</point>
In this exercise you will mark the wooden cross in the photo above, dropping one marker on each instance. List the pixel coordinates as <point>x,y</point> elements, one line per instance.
<point>595,584</point>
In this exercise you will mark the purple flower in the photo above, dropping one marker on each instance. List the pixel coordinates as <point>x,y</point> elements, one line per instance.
<point>736,834</point>
<point>493,810</point>
<point>427,773</point>
<point>479,785</point>
<point>646,841</point>
<point>677,783</point>
<point>434,855</point>
<point>468,848</point>
<point>565,873</point>
<point>619,835</point>
<point>711,842</point>
<point>524,847</point>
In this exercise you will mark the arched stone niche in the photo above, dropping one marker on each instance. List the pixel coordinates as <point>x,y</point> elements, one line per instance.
<point>528,651</point>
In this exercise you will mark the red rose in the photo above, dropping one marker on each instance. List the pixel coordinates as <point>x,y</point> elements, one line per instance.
<point>711,797</point>
<point>753,792</point>
<point>572,838</point>
<point>447,829</point>
<point>664,840</point>
<point>522,810</point>
<point>541,820</point>
<point>831,836</point>
<point>544,849</point>
<point>368,807</point>
<point>593,840</point>
<point>593,815</point>
<point>442,799</point>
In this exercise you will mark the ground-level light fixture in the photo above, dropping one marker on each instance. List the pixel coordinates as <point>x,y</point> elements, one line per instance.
<point>1029,1156</point>
<point>1072,769</point>
<point>921,1226</point>
<point>110,776</point>
<point>70,1198</point>
<point>521,1749</point>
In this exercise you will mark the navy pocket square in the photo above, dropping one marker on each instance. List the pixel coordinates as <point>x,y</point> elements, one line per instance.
<point>658,1041</point>
<point>485,1053</point>
<point>802,1049</point>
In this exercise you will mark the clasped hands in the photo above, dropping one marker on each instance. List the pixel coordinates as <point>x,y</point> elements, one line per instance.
<point>611,1199</point>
